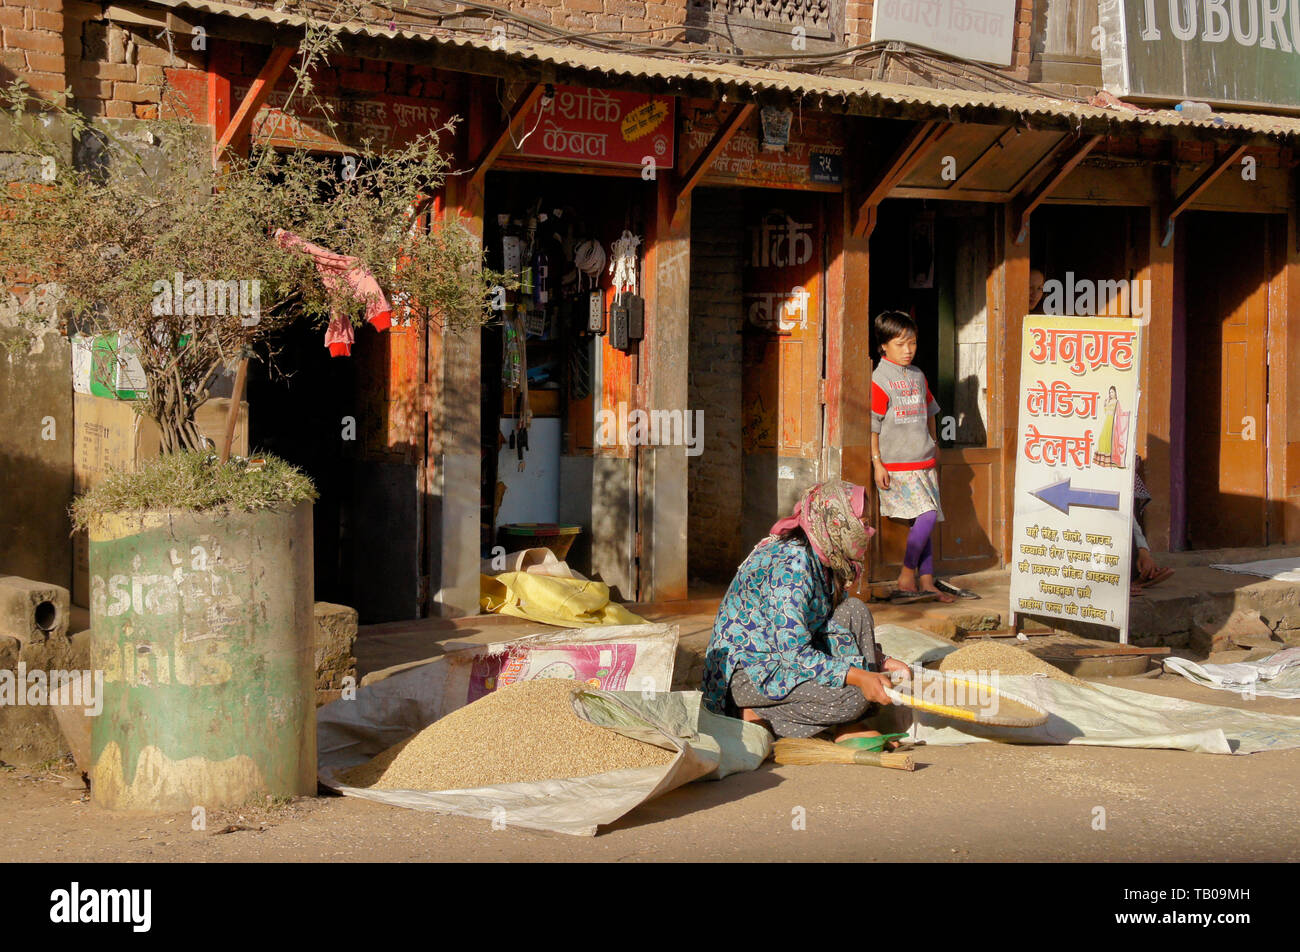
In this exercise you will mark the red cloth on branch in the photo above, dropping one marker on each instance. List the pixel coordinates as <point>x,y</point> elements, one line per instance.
<point>337,272</point>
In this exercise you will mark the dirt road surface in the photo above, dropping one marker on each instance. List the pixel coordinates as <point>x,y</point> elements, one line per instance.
<point>978,802</point>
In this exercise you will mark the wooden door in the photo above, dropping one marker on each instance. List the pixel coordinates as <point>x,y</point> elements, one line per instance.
<point>1227,380</point>
<point>781,355</point>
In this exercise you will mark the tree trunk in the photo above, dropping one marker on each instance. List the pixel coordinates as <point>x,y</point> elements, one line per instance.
<point>173,411</point>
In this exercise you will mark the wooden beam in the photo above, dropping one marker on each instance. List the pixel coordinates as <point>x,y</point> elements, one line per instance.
<point>989,196</point>
<point>1004,363</point>
<point>906,157</point>
<point>1179,204</point>
<point>219,89</point>
<point>235,135</point>
<point>994,149</point>
<point>1155,425</point>
<point>704,161</point>
<point>1073,155</point>
<point>1031,174</point>
<point>496,145</point>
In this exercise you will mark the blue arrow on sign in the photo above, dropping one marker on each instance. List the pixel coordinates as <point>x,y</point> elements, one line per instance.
<point>1061,496</point>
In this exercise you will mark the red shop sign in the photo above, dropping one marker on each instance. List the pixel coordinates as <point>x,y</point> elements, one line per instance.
<point>602,127</point>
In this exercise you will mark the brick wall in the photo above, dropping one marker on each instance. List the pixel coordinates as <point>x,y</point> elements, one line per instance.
<point>118,71</point>
<point>857,22</point>
<point>715,476</point>
<point>31,44</point>
<point>605,15</point>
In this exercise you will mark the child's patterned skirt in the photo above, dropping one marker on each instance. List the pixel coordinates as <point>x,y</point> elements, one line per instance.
<point>911,493</point>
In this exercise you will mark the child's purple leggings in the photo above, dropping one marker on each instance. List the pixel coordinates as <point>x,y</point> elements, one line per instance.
<point>918,556</point>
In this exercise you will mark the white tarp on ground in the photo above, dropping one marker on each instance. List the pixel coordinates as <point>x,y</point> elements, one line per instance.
<point>351,732</point>
<point>1278,675</point>
<point>1096,714</point>
<point>1279,570</point>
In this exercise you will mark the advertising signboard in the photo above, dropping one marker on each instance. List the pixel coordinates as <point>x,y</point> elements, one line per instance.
<point>601,127</point>
<point>982,30</point>
<point>1072,540</point>
<point>1224,52</point>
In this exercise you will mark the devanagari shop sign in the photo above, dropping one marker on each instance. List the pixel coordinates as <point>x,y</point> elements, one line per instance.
<point>602,127</point>
<point>1072,541</point>
<point>982,30</point>
<point>1229,52</point>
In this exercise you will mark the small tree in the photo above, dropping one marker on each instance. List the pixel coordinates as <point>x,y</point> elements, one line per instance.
<point>143,211</point>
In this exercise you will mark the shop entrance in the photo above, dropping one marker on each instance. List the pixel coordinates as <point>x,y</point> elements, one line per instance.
<point>1226,279</point>
<point>560,360</point>
<point>932,261</point>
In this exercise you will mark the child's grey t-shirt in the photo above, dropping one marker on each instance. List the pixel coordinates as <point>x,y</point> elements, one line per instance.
<point>901,405</point>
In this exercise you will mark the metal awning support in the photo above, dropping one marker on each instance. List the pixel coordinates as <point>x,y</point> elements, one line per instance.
<point>235,136</point>
<point>1176,206</point>
<point>737,119</point>
<point>913,149</point>
<point>1073,155</point>
<point>514,118</point>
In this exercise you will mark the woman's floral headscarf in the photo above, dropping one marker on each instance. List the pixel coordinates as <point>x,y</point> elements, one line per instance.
<point>830,515</point>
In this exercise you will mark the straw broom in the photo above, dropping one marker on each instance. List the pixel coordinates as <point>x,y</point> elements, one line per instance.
<point>793,751</point>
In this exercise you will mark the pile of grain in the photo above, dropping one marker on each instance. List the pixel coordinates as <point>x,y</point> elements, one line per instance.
<point>989,655</point>
<point>524,732</point>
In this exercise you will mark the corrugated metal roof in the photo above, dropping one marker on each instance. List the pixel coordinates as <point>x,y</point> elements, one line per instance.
<point>859,97</point>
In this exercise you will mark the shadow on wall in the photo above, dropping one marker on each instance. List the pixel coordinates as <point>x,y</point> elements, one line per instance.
<point>971,430</point>
<point>36,453</point>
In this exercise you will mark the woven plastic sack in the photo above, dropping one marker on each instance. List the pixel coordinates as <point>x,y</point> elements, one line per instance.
<point>708,747</point>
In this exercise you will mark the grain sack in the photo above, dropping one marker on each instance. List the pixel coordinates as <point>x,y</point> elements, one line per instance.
<point>521,733</point>
<point>679,739</point>
<point>1005,660</point>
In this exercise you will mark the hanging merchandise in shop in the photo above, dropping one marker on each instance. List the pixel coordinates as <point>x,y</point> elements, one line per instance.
<point>553,319</point>
<point>624,266</point>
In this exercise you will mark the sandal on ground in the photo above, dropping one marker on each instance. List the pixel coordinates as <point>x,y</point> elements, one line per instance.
<point>946,586</point>
<point>902,597</point>
<point>1156,579</point>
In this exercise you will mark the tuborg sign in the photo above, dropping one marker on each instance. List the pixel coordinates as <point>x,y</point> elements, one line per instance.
<point>1224,52</point>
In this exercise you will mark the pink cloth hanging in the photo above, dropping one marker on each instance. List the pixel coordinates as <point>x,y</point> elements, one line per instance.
<point>337,271</point>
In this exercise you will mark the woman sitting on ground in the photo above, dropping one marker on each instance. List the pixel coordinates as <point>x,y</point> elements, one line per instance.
<point>782,653</point>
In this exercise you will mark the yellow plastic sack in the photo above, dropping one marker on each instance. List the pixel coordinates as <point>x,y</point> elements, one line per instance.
<point>553,601</point>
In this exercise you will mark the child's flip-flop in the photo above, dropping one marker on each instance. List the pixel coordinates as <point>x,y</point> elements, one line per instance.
<point>945,586</point>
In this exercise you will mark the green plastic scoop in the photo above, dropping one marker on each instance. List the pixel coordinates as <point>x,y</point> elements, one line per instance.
<point>870,743</point>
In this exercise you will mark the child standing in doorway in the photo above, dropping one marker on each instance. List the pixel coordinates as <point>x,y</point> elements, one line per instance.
<point>903,452</point>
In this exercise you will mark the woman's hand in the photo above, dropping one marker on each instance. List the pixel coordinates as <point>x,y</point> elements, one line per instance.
<point>1146,565</point>
<point>893,664</point>
<point>882,474</point>
<point>871,684</point>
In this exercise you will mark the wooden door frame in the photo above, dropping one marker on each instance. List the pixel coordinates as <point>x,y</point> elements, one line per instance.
<point>879,570</point>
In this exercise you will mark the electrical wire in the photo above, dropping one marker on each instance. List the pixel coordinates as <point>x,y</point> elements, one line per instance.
<point>953,67</point>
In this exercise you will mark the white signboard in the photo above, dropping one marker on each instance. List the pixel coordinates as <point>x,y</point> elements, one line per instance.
<point>982,30</point>
<point>1071,547</point>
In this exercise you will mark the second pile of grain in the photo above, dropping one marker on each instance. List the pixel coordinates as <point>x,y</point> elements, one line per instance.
<point>1004,659</point>
<point>522,733</point>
